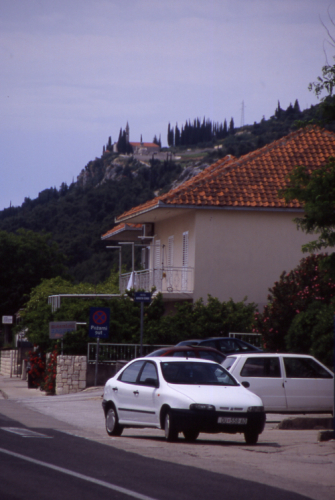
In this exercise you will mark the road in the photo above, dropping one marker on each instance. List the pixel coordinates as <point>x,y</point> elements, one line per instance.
<point>285,464</point>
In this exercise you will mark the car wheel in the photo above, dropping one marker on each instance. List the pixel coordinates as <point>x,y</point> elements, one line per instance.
<point>251,437</point>
<point>171,432</point>
<point>113,427</point>
<point>191,435</point>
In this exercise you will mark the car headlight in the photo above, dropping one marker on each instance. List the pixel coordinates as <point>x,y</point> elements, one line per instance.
<point>255,408</point>
<point>199,406</point>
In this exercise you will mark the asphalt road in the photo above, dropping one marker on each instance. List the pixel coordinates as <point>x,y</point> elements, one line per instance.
<point>46,463</point>
<point>284,464</point>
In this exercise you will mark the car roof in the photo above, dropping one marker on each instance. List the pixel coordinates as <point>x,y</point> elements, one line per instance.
<point>190,348</point>
<point>268,354</point>
<point>164,359</point>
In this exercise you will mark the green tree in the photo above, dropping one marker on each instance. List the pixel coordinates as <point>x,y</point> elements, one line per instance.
<point>311,332</point>
<point>316,191</point>
<point>26,258</point>
<point>37,314</point>
<point>308,285</point>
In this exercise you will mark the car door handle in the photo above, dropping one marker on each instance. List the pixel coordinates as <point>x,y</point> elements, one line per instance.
<point>115,389</point>
<point>136,393</point>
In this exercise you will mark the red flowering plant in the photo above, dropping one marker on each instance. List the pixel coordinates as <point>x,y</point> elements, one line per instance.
<point>36,368</point>
<point>309,283</point>
<point>49,383</point>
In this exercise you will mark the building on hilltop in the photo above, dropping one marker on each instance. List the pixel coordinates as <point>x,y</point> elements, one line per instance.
<point>138,148</point>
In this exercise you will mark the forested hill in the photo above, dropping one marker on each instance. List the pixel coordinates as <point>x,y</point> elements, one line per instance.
<point>77,215</point>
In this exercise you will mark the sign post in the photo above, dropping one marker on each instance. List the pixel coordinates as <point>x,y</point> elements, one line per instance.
<point>142,297</point>
<point>99,329</point>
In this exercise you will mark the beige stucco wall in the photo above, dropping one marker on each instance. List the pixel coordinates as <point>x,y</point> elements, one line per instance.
<point>176,226</point>
<point>242,253</point>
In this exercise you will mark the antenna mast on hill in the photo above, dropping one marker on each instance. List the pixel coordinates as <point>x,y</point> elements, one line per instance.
<point>242,114</point>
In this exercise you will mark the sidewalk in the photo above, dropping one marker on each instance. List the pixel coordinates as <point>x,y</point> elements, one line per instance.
<point>16,388</point>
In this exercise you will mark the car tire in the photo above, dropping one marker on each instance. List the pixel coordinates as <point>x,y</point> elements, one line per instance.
<point>113,427</point>
<point>251,437</point>
<point>171,433</point>
<point>191,435</point>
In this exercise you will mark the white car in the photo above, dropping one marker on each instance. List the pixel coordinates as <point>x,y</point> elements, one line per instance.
<point>286,383</point>
<point>181,395</point>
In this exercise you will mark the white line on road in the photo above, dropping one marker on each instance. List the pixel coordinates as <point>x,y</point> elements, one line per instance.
<point>110,486</point>
<point>26,433</point>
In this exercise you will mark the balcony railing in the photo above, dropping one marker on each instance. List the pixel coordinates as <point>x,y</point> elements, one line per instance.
<point>170,279</point>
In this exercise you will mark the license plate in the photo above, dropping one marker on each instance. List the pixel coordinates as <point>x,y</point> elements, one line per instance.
<point>232,420</point>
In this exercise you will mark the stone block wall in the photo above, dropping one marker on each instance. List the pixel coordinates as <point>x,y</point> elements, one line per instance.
<point>71,374</point>
<point>8,363</point>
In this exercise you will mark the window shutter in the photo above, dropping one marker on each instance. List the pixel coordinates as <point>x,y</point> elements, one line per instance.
<point>157,254</point>
<point>170,251</point>
<point>185,249</point>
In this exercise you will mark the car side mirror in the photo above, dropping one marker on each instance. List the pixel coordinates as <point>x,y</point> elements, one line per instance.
<point>151,382</point>
<point>246,384</point>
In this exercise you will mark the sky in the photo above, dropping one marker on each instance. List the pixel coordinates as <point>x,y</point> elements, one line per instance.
<point>73,72</point>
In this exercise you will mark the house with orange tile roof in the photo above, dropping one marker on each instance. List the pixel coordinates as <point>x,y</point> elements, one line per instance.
<point>226,232</point>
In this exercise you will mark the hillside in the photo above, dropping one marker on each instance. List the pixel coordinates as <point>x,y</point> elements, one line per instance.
<point>78,214</point>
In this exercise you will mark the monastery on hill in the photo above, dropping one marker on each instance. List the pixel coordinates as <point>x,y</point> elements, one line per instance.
<point>139,148</point>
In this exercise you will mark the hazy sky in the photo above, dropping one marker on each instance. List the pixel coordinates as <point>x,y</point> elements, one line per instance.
<point>74,71</point>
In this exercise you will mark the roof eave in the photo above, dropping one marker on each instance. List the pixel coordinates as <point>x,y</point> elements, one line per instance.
<point>161,205</point>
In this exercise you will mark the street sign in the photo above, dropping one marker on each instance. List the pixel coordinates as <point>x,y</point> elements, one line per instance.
<point>57,329</point>
<point>142,297</point>
<point>99,322</point>
<point>7,320</point>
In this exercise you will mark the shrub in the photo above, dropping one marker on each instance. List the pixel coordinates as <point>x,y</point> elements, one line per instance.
<point>293,294</point>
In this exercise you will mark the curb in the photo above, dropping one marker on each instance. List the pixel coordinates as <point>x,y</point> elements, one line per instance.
<point>4,395</point>
<point>306,423</point>
<point>326,435</point>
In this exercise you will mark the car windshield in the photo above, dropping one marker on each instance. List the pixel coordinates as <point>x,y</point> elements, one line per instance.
<point>195,373</point>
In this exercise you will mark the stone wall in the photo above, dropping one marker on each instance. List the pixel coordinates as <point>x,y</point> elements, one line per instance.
<point>71,374</point>
<point>8,363</point>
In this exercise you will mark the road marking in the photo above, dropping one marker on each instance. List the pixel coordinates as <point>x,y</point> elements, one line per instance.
<point>110,486</point>
<point>26,433</point>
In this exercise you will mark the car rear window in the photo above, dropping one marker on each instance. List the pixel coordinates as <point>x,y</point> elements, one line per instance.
<point>194,373</point>
<point>264,367</point>
<point>211,356</point>
<point>304,368</point>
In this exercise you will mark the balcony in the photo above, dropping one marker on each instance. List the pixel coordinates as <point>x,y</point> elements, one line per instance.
<point>167,280</point>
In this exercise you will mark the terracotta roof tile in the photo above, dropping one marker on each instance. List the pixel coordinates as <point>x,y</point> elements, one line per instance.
<point>254,179</point>
<point>120,227</point>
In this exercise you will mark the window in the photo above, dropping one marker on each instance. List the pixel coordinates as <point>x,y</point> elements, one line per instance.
<point>213,356</point>
<point>229,345</point>
<point>261,367</point>
<point>304,368</point>
<point>193,373</point>
<point>149,374</point>
<point>130,374</point>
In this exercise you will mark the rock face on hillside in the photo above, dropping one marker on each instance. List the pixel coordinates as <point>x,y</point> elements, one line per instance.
<point>114,167</point>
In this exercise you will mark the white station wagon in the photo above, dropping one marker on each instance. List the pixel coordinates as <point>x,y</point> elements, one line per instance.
<point>286,383</point>
<point>181,395</point>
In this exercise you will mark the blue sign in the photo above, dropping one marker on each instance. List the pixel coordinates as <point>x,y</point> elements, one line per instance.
<point>99,322</point>
<point>142,297</point>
